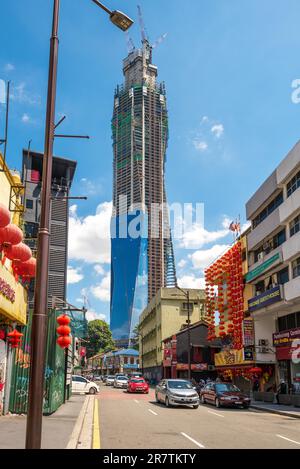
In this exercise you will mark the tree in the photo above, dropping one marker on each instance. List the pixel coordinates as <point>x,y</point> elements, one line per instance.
<point>99,338</point>
<point>135,339</point>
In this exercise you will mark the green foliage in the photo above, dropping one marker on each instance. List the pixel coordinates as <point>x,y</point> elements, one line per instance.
<point>99,338</point>
<point>135,339</point>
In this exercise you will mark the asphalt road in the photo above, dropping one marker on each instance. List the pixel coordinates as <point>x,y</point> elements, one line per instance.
<point>134,421</point>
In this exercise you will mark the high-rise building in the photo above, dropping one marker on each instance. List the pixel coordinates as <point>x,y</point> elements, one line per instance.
<point>62,176</point>
<point>142,252</point>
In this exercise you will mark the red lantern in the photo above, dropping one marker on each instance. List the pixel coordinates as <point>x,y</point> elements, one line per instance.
<point>27,269</point>
<point>14,338</point>
<point>64,341</point>
<point>4,216</point>
<point>10,235</point>
<point>18,253</point>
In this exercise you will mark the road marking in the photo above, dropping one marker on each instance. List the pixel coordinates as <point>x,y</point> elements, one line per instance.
<point>135,400</point>
<point>285,438</point>
<point>192,439</point>
<point>215,413</point>
<point>96,426</point>
<point>152,412</point>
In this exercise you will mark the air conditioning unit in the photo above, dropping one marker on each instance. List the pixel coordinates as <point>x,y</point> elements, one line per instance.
<point>260,256</point>
<point>263,350</point>
<point>263,343</point>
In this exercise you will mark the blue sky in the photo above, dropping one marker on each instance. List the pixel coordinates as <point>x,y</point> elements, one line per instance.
<point>228,66</point>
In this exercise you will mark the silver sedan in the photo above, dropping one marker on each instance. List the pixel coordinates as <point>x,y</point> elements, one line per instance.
<point>177,392</point>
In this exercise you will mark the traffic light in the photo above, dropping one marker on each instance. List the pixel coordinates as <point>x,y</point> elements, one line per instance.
<point>64,331</point>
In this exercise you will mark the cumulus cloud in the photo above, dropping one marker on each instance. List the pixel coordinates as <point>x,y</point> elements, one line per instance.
<point>89,237</point>
<point>217,130</point>
<point>102,290</point>
<point>191,281</point>
<point>182,263</point>
<point>91,315</point>
<point>200,145</point>
<point>21,95</point>
<point>203,258</point>
<point>25,118</point>
<point>74,275</point>
<point>195,236</point>
<point>99,269</point>
<point>9,67</point>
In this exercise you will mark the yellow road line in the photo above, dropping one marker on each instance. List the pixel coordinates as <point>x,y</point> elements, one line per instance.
<point>96,426</point>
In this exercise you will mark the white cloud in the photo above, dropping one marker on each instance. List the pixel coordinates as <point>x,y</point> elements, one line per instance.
<point>90,187</point>
<point>20,94</point>
<point>196,236</point>
<point>99,269</point>
<point>102,291</point>
<point>74,275</point>
<point>200,145</point>
<point>191,281</point>
<point>217,130</point>
<point>91,315</point>
<point>89,237</point>
<point>203,258</point>
<point>9,67</point>
<point>182,263</point>
<point>25,118</point>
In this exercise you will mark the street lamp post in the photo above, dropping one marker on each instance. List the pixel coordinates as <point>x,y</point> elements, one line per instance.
<point>39,318</point>
<point>187,294</point>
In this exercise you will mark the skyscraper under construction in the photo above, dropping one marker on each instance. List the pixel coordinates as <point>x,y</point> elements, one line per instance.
<point>140,265</point>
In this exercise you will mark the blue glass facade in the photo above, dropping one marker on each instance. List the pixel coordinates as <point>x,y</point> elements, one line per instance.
<point>129,274</point>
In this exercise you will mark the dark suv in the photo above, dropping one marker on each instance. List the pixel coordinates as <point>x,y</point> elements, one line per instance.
<point>224,394</point>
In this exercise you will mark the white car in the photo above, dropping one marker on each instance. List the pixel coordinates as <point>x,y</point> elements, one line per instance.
<point>81,385</point>
<point>121,382</point>
<point>110,379</point>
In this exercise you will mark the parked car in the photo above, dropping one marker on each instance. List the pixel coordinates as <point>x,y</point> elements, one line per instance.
<point>83,385</point>
<point>135,374</point>
<point>224,394</point>
<point>176,392</point>
<point>138,385</point>
<point>120,382</point>
<point>110,380</point>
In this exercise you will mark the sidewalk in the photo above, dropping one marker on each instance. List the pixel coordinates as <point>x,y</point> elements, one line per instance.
<point>57,428</point>
<point>287,410</point>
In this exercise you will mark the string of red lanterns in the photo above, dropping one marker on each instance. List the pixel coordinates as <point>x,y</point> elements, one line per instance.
<point>226,272</point>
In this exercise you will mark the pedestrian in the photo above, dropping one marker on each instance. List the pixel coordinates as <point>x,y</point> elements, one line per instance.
<point>282,389</point>
<point>255,386</point>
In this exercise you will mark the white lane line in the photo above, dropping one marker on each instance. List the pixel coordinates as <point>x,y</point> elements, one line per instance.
<point>152,412</point>
<point>285,438</point>
<point>192,439</point>
<point>215,413</point>
<point>135,400</point>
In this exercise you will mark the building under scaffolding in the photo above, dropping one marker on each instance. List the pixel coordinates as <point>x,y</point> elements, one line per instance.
<point>140,265</point>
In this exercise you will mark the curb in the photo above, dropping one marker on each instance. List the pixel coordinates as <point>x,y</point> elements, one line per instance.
<point>81,437</point>
<point>273,411</point>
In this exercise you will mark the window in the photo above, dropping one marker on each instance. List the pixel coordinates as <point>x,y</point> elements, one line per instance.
<point>293,184</point>
<point>268,210</point>
<point>291,321</point>
<point>29,204</point>
<point>295,226</point>
<point>283,276</point>
<point>279,239</point>
<point>296,268</point>
<point>131,360</point>
<point>185,307</point>
<point>125,360</point>
<point>271,244</point>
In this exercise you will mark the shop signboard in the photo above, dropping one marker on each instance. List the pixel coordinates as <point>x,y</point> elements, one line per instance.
<point>265,299</point>
<point>248,332</point>
<point>286,337</point>
<point>248,354</point>
<point>263,267</point>
<point>230,357</point>
<point>194,366</point>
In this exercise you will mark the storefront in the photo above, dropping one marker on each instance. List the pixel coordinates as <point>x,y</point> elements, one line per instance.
<point>13,301</point>
<point>287,345</point>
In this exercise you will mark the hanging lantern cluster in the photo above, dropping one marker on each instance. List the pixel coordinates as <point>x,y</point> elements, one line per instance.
<point>12,247</point>
<point>227,273</point>
<point>14,338</point>
<point>64,331</point>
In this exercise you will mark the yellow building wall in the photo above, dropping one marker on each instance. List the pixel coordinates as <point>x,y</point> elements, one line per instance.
<point>14,311</point>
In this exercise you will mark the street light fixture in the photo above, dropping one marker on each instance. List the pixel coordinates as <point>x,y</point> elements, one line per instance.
<point>39,317</point>
<point>187,294</point>
<point>118,18</point>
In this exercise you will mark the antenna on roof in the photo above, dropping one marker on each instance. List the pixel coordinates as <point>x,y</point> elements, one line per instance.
<point>130,43</point>
<point>142,25</point>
